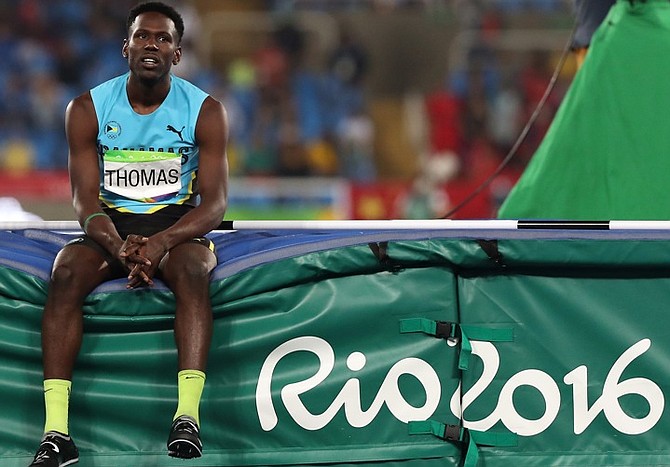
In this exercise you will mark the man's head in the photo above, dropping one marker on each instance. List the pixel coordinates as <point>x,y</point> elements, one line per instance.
<point>154,34</point>
<point>158,7</point>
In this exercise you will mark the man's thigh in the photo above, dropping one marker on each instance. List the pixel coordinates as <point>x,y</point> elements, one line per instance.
<point>86,268</point>
<point>96,255</point>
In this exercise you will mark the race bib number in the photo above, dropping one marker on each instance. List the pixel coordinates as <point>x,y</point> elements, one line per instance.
<point>141,175</point>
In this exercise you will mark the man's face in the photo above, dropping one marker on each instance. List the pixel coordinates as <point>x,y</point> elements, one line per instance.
<point>152,45</point>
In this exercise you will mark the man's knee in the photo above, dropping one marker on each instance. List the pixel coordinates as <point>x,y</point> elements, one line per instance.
<point>189,263</point>
<point>68,277</point>
<point>194,270</point>
<point>63,275</point>
<point>67,286</point>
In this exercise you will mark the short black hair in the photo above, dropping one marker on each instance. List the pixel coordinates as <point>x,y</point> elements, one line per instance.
<point>158,7</point>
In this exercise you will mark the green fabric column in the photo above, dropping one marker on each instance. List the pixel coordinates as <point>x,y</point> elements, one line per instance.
<point>605,155</point>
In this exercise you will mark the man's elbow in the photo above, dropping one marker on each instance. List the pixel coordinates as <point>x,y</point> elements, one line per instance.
<point>217,209</point>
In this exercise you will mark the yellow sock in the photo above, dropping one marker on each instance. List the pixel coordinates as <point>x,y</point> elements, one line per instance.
<point>190,384</point>
<point>56,403</point>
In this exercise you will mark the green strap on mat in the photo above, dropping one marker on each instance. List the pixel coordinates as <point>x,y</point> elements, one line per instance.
<point>448,330</point>
<point>460,434</point>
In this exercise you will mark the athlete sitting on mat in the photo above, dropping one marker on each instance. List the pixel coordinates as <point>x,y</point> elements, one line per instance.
<point>149,176</point>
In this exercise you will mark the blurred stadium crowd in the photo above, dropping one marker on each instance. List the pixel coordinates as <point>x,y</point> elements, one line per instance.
<point>286,119</point>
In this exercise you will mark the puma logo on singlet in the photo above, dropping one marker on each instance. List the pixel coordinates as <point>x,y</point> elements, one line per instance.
<point>174,130</point>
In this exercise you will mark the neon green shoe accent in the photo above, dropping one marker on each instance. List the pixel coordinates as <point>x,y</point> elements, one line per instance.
<point>190,385</point>
<point>56,403</point>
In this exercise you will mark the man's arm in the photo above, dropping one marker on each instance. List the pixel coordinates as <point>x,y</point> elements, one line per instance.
<point>81,129</point>
<point>212,137</point>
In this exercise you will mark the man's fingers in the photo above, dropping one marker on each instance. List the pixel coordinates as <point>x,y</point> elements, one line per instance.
<point>132,245</point>
<point>135,274</point>
<point>147,280</point>
<point>137,277</point>
<point>128,250</point>
<point>134,253</point>
<point>138,259</point>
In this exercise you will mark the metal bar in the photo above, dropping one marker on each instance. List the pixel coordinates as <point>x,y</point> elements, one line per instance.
<point>421,224</point>
<point>397,224</point>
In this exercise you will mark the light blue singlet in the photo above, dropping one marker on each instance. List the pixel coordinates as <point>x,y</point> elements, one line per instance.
<point>147,162</point>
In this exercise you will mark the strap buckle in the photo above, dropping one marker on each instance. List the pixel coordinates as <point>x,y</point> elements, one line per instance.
<point>443,329</point>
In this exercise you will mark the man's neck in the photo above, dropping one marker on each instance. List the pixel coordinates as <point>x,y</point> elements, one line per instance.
<point>147,95</point>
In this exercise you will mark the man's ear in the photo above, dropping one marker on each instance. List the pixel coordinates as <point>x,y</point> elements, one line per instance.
<point>124,49</point>
<point>177,56</point>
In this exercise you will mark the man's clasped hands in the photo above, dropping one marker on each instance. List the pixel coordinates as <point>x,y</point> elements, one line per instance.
<point>141,256</point>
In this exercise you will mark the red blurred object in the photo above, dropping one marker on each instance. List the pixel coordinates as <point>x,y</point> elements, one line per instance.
<point>444,111</point>
<point>51,185</point>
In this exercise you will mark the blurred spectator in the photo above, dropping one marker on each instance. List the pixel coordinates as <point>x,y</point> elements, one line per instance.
<point>346,69</point>
<point>427,197</point>
<point>506,116</point>
<point>444,110</point>
<point>348,126</point>
<point>240,98</point>
<point>47,99</point>
<point>355,143</point>
<point>272,65</point>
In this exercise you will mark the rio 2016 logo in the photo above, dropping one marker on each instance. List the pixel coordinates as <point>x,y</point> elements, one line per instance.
<point>349,396</point>
<point>608,402</point>
<point>389,393</point>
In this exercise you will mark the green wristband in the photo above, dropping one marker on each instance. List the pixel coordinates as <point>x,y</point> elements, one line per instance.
<point>89,218</point>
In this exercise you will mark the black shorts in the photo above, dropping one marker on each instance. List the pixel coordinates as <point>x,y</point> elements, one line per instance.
<point>139,224</point>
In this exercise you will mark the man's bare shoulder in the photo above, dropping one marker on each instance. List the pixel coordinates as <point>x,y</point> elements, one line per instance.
<point>81,112</point>
<point>80,117</point>
<point>212,122</point>
<point>212,106</point>
<point>81,103</point>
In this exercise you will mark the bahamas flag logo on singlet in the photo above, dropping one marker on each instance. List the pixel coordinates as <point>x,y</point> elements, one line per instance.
<point>112,130</point>
<point>146,176</point>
